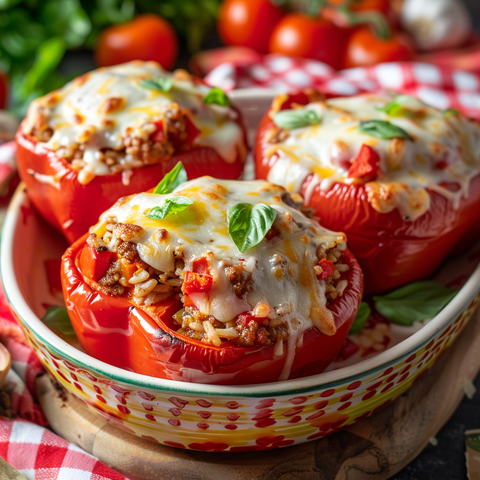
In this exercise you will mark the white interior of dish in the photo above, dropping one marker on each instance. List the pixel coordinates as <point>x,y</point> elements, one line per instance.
<point>27,244</point>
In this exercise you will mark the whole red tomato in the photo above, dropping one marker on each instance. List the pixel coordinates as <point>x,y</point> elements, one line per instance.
<point>299,35</point>
<point>364,48</point>
<point>147,37</point>
<point>248,23</point>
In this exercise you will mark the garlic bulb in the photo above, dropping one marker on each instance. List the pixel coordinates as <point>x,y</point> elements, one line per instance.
<point>436,24</point>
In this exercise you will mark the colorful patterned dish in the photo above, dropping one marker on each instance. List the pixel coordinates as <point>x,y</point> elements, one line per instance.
<point>209,417</point>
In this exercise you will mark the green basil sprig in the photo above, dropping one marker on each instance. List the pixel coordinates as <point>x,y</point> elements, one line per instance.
<point>295,118</point>
<point>414,302</point>
<point>248,224</point>
<point>382,129</point>
<point>216,96</point>
<point>57,317</point>
<point>172,206</point>
<point>172,180</point>
<point>360,319</point>
<point>394,108</point>
<point>450,112</point>
<point>159,84</point>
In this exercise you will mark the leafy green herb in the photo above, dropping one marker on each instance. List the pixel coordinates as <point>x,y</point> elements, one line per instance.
<point>362,316</point>
<point>27,24</point>
<point>297,118</point>
<point>159,84</point>
<point>248,224</point>
<point>172,179</point>
<point>57,317</point>
<point>414,302</point>
<point>172,206</point>
<point>395,108</point>
<point>450,112</point>
<point>472,440</point>
<point>216,96</point>
<point>382,129</point>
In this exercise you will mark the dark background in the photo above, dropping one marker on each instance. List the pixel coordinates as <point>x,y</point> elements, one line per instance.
<point>474,7</point>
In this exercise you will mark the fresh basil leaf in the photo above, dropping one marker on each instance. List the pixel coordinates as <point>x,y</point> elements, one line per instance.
<point>414,302</point>
<point>172,206</point>
<point>450,112</point>
<point>49,54</point>
<point>394,108</point>
<point>248,224</point>
<point>57,317</point>
<point>216,96</point>
<point>472,440</point>
<point>296,118</point>
<point>172,179</point>
<point>360,319</point>
<point>159,84</point>
<point>382,129</point>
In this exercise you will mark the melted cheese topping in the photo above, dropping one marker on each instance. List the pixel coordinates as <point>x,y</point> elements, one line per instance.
<point>444,150</point>
<point>83,112</point>
<point>201,230</point>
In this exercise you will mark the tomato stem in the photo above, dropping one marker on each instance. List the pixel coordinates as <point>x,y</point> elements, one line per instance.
<point>314,7</point>
<point>377,22</point>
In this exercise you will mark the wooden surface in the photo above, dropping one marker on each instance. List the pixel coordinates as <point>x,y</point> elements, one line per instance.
<point>375,448</point>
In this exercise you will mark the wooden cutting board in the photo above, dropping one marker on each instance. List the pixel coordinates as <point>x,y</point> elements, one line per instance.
<point>375,448</point>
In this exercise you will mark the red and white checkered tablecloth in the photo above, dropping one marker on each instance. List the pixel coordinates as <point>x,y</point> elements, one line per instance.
<point>440,87</point>
<point>38,453</point>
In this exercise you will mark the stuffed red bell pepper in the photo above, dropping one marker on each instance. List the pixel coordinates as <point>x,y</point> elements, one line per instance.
<point>221,282</point>
<point>400,178</point>
<point>116,131</point>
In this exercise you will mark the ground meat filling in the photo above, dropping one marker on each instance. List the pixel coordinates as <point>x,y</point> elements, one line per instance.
<point>145,286</point>
<point>148,144</point>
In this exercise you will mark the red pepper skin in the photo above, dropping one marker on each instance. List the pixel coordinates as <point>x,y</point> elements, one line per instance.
<point>143,339</point>
<point>391,251</point>
<point>94,265</point>
<point>73,208</point>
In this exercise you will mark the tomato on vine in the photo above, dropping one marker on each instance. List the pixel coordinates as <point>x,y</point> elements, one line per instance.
<point>248,23</point>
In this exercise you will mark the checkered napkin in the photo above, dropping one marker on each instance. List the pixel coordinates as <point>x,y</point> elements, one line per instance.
<point>41,455</point>
<point>438,86</point>
<point>38,453</point>
<point>24,443</point>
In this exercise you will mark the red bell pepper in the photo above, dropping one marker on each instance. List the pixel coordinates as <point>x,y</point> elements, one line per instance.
<point>72,207</point>
<point>391,250</point>
<point>144,339</point>
<point>93,264</point>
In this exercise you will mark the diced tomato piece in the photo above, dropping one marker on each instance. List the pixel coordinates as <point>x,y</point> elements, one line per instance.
<point>158,135</point>
<point>200,265</point>
<point>192,131</point>
<point>246,318</point>
<point>94,264</point>
<point>197,283</point>
<point>301,98</point>
<point>365,164</point>
<point>328,269</point>
<point>441,165</point>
